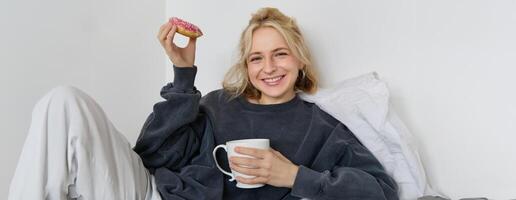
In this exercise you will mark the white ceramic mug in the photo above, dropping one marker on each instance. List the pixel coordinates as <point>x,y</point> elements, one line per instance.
<point>230,149</point>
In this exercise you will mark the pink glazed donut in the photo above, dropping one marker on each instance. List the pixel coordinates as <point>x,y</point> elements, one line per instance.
<point>185,28</point>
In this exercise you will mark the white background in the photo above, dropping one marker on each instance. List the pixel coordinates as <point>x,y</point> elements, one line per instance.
<point>107,48</point>
<point>449,64</point>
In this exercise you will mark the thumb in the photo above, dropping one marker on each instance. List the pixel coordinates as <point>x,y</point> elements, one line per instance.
<point>191,43</point>
<point>277,153</point>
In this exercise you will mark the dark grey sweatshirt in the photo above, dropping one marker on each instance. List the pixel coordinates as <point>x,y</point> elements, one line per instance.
<point>177,140</point>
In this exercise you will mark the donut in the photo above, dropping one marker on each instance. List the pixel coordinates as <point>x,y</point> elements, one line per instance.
<point>185,28</point>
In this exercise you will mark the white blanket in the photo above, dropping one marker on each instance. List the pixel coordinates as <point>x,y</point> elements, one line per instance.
<point>362,104</point>
<point>73,151</point>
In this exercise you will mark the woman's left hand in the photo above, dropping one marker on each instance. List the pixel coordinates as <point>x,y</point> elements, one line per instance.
<point>268,167</point>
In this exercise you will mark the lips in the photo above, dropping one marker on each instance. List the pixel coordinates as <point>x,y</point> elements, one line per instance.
<point>272,81</point>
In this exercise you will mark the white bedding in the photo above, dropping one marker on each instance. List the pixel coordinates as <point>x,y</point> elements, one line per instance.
<point>362,104</point>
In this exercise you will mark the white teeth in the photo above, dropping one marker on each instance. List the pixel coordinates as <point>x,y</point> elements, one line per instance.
<point>270,80</point>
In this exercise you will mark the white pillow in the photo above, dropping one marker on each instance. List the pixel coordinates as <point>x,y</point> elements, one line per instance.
<point>362,104</point>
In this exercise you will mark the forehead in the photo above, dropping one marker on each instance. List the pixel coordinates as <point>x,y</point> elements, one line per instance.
<point>267,39</point>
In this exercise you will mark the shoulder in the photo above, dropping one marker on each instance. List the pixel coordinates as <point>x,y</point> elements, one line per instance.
<point>322,115</point>
<point>218,101</point>
<point>338,129</point>
<point>215,97</point>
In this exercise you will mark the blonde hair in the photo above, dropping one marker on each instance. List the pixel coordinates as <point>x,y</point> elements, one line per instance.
<point>236,81</point>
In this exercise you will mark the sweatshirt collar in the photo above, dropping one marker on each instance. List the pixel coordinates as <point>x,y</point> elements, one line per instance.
<point>269,107</point>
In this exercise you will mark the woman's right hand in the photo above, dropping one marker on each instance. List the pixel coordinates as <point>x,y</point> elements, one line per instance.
<point>180,57</point>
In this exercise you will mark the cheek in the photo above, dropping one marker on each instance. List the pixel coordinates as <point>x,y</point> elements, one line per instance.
<point>294,74</point>
<point>292,63</point>
<point>298,64</point>
<point>252,75</point>
<point>252,71</point>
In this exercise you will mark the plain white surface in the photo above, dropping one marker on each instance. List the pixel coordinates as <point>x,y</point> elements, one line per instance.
<point>450,66</point>
<point>107,48</point>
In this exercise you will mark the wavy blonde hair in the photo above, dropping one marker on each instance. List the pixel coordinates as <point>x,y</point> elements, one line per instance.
<point>236,81</point>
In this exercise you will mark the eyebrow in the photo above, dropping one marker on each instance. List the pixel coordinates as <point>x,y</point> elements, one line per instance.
<point>275,50</point>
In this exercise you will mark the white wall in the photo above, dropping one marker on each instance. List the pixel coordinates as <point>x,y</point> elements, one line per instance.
<point>449,64</point>
<point>106,48</point>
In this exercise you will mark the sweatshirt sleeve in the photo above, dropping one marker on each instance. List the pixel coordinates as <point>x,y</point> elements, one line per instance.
<point>357,175</point>
<point>170,135</point>
<point>176,141</point>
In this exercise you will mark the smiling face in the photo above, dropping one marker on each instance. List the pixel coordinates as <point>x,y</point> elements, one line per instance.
<point>272,67</point>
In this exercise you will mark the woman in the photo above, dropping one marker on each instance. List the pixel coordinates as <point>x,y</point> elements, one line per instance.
<point>80,155</point>
<point>312,155</point>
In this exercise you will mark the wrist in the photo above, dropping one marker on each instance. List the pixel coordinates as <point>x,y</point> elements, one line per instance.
<point>182,65</point>
<point>292,175</point>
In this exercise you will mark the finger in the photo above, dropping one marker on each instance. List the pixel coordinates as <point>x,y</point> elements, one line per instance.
<point>257,153</point>
<point>191,43</point>
<point>170,37</point>
<point>163,34</point>
<point>171,34</point>
<point>254,180</point>
<point>161,28</point>
<point>246,170</point>
<point>249,162</point>
<point>279,155</point>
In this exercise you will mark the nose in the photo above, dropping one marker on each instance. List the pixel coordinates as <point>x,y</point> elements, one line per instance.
<point>270,66</point>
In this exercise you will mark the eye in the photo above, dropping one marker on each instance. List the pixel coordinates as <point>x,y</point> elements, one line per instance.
<point>255,59</point>
<point>281,54</point>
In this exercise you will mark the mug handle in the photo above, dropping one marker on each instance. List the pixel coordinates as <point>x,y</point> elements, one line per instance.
<point>218,166</point>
